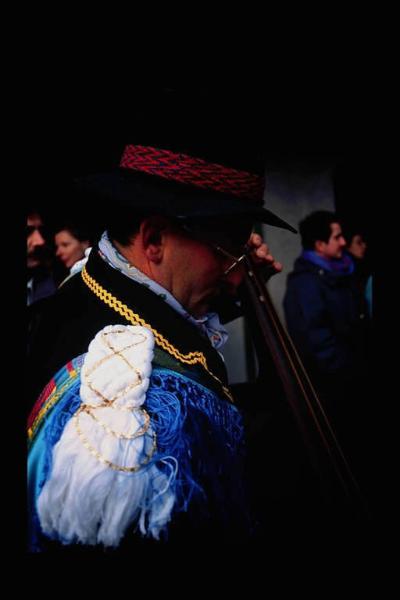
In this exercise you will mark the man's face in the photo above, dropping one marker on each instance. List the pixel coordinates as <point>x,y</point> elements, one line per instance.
<point>333,248</point>
<point>34,241</point>
<point>198,267</point>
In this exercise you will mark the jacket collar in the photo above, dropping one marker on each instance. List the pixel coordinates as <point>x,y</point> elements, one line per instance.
<point>162,317</point>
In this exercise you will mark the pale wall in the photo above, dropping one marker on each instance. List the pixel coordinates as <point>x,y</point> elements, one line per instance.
<point>292,192</point>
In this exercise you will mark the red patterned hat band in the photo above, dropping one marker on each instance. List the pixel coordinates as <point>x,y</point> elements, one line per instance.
<point>193,171</point>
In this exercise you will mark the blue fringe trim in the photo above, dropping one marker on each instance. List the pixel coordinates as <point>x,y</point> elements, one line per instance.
<point>203,434</point>
<point>40,456</point>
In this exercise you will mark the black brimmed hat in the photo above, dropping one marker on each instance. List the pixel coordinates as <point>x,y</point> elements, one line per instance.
<point>175,183</point>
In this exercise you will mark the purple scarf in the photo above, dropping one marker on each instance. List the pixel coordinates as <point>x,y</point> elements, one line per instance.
<point>344,265</point>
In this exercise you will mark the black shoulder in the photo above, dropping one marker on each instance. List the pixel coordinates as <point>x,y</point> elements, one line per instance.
<point>51,341</point>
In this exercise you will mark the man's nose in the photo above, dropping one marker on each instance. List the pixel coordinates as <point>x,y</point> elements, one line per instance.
<point>37,238</point>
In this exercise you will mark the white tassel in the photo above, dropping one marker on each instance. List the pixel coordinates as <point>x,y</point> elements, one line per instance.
<point>85,500</point>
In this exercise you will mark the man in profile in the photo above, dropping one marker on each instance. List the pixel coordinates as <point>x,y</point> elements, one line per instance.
<point>40,282</point>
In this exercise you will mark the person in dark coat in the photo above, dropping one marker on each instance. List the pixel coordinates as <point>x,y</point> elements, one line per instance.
<point>357,247</point>
<point>327,318</point>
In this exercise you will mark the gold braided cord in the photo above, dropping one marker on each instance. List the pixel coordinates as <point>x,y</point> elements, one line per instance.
<point>191,358</point>
<point>87,372</point>
<point>110,402</point>
<point>105,461</point>
<point>122,436</point>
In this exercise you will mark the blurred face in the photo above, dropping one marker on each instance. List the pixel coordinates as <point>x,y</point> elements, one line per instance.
<point>199,268</point>
<point>68,249</point>
<point>333,248</point>
<point>35,241</point>
<point>357,246</point>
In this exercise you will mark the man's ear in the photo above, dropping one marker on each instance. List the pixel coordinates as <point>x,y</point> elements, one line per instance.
<point>319,246</point>
<point>152,230</point>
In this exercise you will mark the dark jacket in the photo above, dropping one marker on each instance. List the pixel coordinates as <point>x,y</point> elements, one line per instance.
<point>327,319</point>
<point>42,286</point>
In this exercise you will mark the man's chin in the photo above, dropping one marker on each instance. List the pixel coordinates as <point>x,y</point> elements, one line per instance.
<point>33,263</point>
<point>225,297</point>
<point>212,301</point>
<point>203,306</point>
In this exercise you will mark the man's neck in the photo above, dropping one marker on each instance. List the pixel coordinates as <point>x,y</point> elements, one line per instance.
<point>324,256</point>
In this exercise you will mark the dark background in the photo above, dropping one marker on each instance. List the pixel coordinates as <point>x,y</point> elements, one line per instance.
<point>77,134</point>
